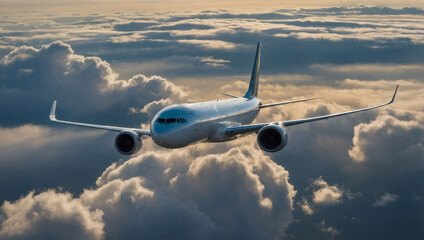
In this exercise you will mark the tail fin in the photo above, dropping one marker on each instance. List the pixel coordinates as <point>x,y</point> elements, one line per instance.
<point>254,80</point>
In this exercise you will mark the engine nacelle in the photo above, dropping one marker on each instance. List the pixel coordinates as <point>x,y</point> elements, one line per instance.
<point>272,138</point>
<point>127,143</point>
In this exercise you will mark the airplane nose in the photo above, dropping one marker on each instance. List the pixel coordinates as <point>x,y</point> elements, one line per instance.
<point>160,134</point>
<point>168,136</point>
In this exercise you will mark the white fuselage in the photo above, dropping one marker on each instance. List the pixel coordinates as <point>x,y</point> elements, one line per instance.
<point>181,125</point>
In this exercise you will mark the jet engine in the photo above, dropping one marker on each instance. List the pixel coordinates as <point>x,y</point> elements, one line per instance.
<point>272,138</point>
<point>127,142</point>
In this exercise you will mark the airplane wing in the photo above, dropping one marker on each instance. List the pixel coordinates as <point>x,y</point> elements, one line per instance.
<point>232,131</point>
<point>103,127</point>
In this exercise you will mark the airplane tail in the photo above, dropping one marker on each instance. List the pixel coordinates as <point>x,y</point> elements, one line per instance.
<point>254,80</point>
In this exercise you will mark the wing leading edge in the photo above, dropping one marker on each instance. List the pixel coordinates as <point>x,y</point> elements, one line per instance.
<point>95,126</point>
<point>232,131</point>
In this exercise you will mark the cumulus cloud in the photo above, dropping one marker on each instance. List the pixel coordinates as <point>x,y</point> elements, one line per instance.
<point>150,191</point>
<point>153,107</point>
<point>326,195</point>
<point>388,138</point>
<point>306,207</point>
<point>88,90</point>
<point>245,181</point>
<point>50,215</point>
<point>385,199</point>
<point>33,78</point>
<point>320,193</point>
<point>332,231</point>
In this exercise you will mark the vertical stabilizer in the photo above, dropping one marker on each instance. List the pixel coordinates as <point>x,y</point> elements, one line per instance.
<point>254,80</point>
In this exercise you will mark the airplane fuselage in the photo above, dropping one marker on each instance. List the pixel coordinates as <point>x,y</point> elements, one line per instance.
<point>177,126</point>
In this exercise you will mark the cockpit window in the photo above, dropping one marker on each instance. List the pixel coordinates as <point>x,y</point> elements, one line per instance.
<point>171,120</point>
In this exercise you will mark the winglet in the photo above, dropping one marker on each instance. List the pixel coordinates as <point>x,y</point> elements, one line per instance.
<point>394,95</point>
<point>53,111</point>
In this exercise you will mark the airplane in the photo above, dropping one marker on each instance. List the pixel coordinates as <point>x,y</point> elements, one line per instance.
<point>181,125</point>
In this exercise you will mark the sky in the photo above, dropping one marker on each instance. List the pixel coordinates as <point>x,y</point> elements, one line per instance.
<point>353,177</point>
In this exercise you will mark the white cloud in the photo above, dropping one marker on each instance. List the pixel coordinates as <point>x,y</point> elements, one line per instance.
<point>325,194</point>
<point>22,140</point>
<point>154,107</point>
<point>214,62</point>
<point>332,231</point>
<point>50,214</point>
<point>385,199</point>
<point>210,44</point>
<point>389,137</point>
<point>306,207</point>
<point>212,192</point>
<point>58,73</point>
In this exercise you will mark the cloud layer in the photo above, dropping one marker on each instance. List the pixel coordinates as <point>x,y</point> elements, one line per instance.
<point>346,174</point>
<point>188,196</point>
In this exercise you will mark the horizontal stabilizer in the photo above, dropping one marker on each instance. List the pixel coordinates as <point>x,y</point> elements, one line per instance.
<point>283,103</point>
<point>229,95</point>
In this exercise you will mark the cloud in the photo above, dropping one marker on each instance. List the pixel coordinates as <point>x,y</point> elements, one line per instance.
<point>25,139</point>
<point>50,215</point>
<point>332,231</point>
<point>366,10</point>
<point>306,207</point>
<point>214,62</point>
<point>147,192</point>
<point>134,26</point>
<point>153,107</point>
<point>210,44</point>
<point>386,199</point>
<point>87,90</point>
<point>326,195</point>
<point>56,72</point>
<point>35,157</point>
<point>296,33</point>
<point>401,137</point>
<point>352,59</point>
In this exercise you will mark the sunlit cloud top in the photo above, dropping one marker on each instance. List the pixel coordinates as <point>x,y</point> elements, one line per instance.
<point>190,5</point>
